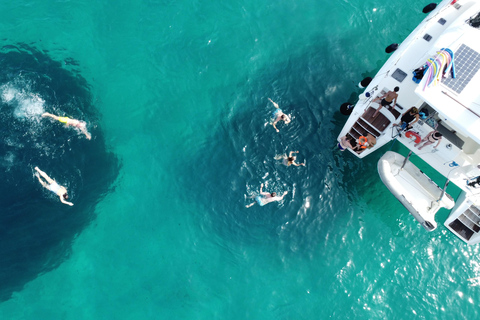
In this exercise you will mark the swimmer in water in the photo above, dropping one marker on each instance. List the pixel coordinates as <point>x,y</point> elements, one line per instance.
<point>289,160</point>
<point>266,197</point>
<point>53,186</point>
<point>81,125</point>
<point>278,115</point>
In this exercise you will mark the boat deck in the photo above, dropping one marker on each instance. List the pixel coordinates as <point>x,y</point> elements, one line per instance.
<point>367,124</point>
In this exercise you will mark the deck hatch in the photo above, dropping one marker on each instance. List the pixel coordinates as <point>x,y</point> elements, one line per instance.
<point>467,63</point>
<point>427,37</point>
<point>399,75</point>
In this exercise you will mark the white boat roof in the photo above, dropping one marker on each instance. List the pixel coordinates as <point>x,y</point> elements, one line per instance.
<point>456,100</point>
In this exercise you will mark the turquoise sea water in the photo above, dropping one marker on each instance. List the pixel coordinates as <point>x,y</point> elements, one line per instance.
<point>176,94</point>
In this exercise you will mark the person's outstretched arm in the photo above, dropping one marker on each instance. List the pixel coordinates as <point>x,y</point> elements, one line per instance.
<point>379,98</point>
<point>417,117</point>
<point>46,114</point>
<point>64,201</point>
<point>261,190</point>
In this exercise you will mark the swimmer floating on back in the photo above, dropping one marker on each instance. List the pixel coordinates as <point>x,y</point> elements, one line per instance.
<point>53,186</point>
<point>278,115</point>
<point>288,160</point>
<point>81,125</point>
<point>266,197</point>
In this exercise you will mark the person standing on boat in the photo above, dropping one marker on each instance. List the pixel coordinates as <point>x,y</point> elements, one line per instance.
<point>407,118</point>
<point>430,138</point>
<point>266,197</point>
<point>53,186</point>
<point>387,99</point>
<point>289,160</point>
<point>278,115</point>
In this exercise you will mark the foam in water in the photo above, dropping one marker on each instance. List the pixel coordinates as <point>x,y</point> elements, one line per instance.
<point>37,230</point>
<point>27,105</point>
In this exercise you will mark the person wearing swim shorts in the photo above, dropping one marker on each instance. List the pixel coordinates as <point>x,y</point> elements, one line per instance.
<point>265,198</point>
<point>430,138</point>
<point>289,160</point>
<point>387,99</point>
<point>53,186</point>
<point>81,125</point>
<point>278,115</point>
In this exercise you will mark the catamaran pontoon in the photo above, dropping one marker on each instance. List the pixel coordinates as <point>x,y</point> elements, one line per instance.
<point>436,71</point>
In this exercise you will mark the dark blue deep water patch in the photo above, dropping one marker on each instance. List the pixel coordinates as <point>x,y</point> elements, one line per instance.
<point>36,229</point>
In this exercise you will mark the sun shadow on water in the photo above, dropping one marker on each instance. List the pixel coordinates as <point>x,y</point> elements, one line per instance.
<point>36,230</point>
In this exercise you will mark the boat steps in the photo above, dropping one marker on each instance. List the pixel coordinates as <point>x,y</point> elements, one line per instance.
<point>367,124</point>
<point>468,223</point>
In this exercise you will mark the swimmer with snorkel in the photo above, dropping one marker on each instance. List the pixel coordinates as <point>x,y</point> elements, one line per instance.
<point>81,125</point>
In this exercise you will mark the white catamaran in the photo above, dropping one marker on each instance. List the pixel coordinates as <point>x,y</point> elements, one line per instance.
<point>435,74</point>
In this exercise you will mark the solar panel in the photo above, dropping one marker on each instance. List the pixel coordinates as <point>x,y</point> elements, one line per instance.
<point>467,63</point>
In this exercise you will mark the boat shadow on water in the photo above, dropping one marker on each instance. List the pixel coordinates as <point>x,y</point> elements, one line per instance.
<point>36,230</point>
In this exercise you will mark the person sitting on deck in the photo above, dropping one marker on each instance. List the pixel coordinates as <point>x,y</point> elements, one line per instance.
<point>365,142</point>
<point>362,143</point>
<point>387,99</point>
<point>407,118</point>
<point>431,138</point>
<point>344,143</point>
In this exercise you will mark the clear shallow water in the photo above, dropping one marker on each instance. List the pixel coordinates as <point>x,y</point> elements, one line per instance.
<point>181,88</point>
